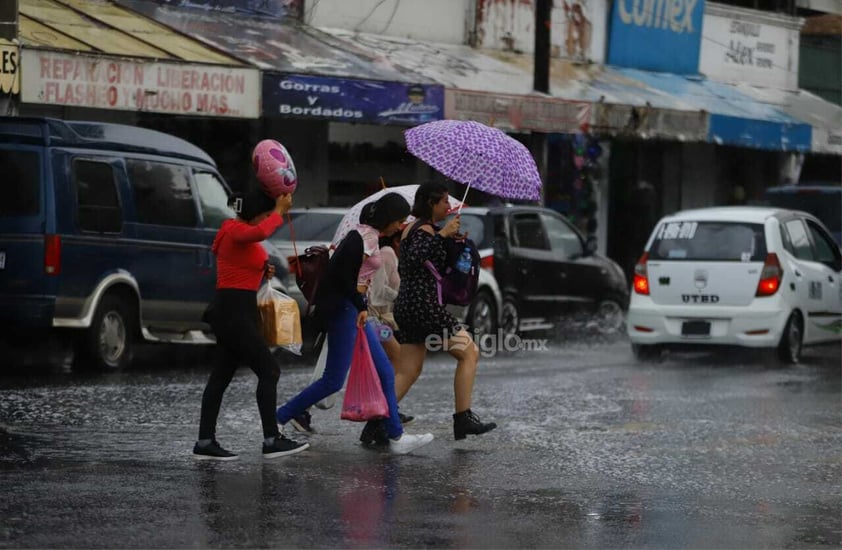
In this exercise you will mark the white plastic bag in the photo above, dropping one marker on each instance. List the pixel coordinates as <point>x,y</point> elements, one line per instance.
<point>281,319</point>
<point>329,401</point>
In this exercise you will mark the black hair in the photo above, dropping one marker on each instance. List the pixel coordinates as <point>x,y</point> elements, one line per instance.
<point>389,208</point>
<point>252,203</point>
<point>390,240</point>
<point>427,195</point>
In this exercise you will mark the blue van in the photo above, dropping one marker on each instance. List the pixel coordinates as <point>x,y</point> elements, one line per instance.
<point>105,234</point>
<point>821,200</point>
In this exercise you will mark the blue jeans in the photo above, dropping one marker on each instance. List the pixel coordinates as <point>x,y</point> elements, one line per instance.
<point>341,336</point>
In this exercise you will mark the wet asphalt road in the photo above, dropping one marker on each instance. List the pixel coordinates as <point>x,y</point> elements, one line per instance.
<point>593,451</point>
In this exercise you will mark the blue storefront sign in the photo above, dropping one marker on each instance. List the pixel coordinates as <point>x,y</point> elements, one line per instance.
<point>347,100</point>
<point>657,35</point>
<point>761,134</point>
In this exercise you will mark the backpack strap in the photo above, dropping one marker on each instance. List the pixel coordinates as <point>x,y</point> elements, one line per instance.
<point>437,276</point>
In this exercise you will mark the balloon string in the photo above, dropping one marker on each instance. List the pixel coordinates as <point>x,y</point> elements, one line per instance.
<point>294,248</point>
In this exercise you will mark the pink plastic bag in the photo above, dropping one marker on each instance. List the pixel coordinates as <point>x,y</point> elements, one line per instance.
<point>364,399</point>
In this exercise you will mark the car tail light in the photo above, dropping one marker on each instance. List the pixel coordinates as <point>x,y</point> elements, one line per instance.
<point>52,254</point>
<point>641,276</point>
<point>487,262</point>
<point>770,276</point>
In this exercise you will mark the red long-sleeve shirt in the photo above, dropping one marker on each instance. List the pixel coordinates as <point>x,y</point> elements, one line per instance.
<point>240,258</point>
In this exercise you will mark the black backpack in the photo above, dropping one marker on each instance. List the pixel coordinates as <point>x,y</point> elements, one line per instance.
<point>309,269</point>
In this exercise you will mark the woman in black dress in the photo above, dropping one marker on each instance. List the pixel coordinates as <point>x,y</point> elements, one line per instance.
<point>422,321</point>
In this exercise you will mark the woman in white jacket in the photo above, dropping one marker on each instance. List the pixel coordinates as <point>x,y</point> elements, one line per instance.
<point>382,293</point>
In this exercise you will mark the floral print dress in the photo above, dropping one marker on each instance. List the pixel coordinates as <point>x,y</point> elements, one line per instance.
<point>417,309</point>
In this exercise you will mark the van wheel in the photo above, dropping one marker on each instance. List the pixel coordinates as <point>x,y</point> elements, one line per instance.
<point>109,342</point>
<point>789,348</point>
<point>646,352</point>
<point>509,317</point>
<point>482,315</point>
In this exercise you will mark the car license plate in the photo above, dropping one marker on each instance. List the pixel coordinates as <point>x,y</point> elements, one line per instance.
<point>2,260</point>
<point>695,328</point>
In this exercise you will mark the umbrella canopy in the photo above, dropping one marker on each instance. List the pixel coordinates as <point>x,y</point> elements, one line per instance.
<point>352,218</point>
<point>478,156</point>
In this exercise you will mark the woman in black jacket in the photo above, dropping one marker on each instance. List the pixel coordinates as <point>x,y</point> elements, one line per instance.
<point>341,305</point>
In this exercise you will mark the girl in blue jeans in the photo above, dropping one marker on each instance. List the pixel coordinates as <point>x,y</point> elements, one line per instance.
<point>341,306</point>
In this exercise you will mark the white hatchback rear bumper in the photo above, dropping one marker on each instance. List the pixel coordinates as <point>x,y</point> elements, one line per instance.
<point>756,327</point>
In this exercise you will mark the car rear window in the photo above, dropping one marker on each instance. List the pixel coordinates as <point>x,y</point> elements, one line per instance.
<point>310,226</point>
<point>709,241</point>
<point>21,188</point>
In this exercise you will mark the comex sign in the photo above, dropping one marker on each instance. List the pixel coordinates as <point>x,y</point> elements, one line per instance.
<point>657,35</point>
<point>676,15</point>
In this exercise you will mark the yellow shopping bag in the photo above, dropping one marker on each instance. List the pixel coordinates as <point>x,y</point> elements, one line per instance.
<point>280,318</point>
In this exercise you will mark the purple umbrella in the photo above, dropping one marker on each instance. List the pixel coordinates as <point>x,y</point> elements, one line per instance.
<point>478,156</point>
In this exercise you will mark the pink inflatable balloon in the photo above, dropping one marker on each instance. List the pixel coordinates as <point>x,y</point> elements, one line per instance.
<point>274,168</point>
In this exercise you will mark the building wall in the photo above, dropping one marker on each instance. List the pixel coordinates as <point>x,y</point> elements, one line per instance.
<point>820,67</point>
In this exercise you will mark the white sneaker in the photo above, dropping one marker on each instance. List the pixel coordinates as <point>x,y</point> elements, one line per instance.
<point>408,443</point>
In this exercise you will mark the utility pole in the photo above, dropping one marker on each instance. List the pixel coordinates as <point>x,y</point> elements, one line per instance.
<point>541,78</point>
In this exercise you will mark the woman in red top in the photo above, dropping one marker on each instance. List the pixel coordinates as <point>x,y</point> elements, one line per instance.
<point>241,265</point>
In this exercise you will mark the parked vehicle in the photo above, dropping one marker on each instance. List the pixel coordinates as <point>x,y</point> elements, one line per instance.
<point>536,267</point>
<point>747,276</point>
<point>105,234</point>
<point>821,200</point>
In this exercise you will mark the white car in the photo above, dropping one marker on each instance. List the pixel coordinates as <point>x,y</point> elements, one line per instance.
<point>745,276</point>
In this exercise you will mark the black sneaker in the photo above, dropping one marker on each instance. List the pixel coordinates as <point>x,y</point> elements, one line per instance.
<point>405,418</point>
<point>282,446</point>
<point>212,451</point>
<point>374,433</point>
<point>303,423</point>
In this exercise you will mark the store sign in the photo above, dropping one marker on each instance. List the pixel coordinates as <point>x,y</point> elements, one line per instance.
<point>759,134</point>
<point>517,112</point>
<point>347,100</point>
<point>750,49</point>
<point>109,83</point>
<point>9,69</point>
<point>656,35</point>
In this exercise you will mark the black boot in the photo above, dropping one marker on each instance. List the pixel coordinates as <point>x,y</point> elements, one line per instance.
<point>374,433</point>
<point>466,422</point>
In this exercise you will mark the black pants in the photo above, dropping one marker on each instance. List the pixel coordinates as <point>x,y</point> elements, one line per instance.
<point>239,340</point>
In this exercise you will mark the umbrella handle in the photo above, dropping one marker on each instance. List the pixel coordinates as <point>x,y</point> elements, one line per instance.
<point>465,196</point>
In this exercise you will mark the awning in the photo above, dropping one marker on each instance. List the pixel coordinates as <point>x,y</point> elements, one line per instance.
<point>485,84</point>
<point>308,73</point>
<point>90,53</point>
<point>282,45</point>
<point>105,28</point>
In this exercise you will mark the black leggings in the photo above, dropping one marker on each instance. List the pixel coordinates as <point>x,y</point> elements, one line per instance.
<point>239,340</point>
